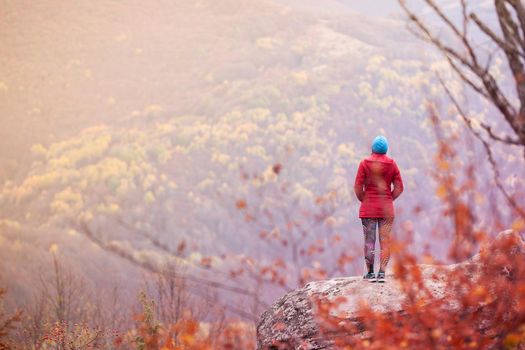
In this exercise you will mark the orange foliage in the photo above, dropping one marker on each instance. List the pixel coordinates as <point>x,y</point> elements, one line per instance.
<point>484,308</point>
<point>241,204</point>
<point>484,302</point>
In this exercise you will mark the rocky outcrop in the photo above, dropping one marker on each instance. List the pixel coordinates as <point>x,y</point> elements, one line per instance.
<point>292,322</point>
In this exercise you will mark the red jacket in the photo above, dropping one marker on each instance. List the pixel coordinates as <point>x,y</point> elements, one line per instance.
<point>373,187</point>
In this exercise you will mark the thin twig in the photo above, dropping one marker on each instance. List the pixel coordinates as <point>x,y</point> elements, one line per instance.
<point>496,174</point>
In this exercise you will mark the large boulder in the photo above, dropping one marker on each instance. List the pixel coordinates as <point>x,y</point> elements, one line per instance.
<point>293,321</point>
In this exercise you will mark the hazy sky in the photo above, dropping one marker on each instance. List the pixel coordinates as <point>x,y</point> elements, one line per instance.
<point>379,8</point>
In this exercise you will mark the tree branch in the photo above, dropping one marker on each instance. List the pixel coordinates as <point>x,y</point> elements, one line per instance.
<point>493,36</point>
<point>496,174</point>
<point>490,88</point>
<point>147,265</point>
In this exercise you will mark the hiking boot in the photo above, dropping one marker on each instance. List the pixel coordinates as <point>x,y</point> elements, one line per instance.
<point>381,277</point>
<point>370,276</point>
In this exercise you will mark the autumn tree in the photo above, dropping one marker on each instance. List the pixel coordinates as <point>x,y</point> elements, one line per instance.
<point>298,230</point>
<point>474,62</point>
<point>470,47</point>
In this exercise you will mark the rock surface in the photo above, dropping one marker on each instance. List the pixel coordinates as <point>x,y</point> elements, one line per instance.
<point>291,322</point>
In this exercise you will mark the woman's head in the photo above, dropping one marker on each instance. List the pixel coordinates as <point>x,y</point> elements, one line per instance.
<point>380,145</point>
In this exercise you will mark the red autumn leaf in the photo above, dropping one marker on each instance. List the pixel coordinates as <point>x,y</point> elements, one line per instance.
<point>241,204</point>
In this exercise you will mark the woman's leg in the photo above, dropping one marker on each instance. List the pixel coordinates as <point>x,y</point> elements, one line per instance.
<point>369,231</point>
<point>385,229</point>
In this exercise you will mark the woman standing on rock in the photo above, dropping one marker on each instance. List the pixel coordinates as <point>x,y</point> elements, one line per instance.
<point>373,187</point>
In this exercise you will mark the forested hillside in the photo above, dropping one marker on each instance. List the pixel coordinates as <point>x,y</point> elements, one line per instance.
<point>222,137</point>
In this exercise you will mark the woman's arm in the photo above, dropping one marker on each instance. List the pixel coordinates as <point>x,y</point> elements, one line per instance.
<point>360,182</point>
<point>398,183</point>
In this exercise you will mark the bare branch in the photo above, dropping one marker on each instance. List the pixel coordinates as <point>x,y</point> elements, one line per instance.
<point>493,36</point>
<point>160,245</point>
<point>454,29</point>
<point>505,139</point>
<point>520,12</point>
<point>513,27</point>
<point>489,87</point>
<point>465,17</point>
<point>86,230</point>
<point>510,200</point>
<point>466,79</point>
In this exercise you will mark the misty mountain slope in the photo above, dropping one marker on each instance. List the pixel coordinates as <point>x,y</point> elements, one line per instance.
<point>189,123</point>
<point>72,65</point>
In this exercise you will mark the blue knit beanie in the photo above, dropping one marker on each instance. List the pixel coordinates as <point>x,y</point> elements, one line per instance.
<point>380,145</point>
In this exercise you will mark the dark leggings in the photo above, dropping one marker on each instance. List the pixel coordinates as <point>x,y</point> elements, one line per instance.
<point>369,230</point>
